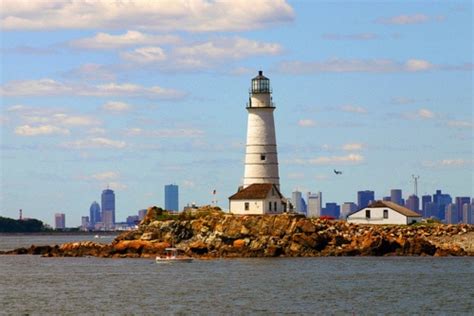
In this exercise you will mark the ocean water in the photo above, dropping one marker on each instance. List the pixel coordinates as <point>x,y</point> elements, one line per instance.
<point>323,286</point>
<point>12,241</point>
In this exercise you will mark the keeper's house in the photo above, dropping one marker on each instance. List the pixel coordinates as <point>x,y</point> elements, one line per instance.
<point>258,198</point>
<point>384,212</point>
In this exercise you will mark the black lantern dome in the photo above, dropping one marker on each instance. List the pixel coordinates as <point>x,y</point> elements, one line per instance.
<point>260,84</point>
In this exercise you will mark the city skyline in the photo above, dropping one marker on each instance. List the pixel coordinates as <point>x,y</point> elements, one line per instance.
<point>142,98</point>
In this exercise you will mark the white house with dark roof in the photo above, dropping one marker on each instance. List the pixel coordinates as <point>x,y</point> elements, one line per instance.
<point>257,198</point>
<point>384,212</point>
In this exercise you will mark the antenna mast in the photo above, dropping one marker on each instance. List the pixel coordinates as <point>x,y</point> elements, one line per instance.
<point>415,179</point>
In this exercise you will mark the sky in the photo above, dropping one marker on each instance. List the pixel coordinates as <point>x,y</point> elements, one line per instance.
<point>138,94</point>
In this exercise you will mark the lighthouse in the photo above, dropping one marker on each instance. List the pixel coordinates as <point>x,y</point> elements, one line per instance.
<point>261,160</point>
<point>260,193</point>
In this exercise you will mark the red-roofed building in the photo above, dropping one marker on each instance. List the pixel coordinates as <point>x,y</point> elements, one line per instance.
<point>257,198</point>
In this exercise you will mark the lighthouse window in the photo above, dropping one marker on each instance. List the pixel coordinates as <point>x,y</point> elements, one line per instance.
<point>262,157</point>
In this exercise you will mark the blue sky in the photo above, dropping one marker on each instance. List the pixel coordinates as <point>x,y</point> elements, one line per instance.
<point>142,94</point>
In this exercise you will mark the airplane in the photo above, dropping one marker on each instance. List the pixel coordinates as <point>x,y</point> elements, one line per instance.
<point>337,172</point>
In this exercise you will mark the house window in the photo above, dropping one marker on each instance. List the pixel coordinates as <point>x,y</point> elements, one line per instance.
<point>270,206</point>
<point>262,157</point>
<point>385,213</point>
<point>246,206</point>
<point>367,213</point>
<point>275,206</point>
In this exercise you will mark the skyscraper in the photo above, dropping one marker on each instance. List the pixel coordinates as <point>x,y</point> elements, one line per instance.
<point>467,213</point>
<point>460,201</point>
<point>441,200</point>
<point>108,208</point>
<point>347,208</point>
<point>60,220</point>
<point>171,197</point>
<point>315,202</point>
<point>364,198</point>
<point>331,209</point>
<point>451,214</point>
<point>413,203</point>
<point>94,212</point>
<point>296,199</point>
<point>425,199</point>
<point>396,196</point>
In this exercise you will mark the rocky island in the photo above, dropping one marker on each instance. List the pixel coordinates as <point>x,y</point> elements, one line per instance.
<point>210,233</point>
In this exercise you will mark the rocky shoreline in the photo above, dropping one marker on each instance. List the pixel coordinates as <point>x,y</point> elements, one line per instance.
<point>210,233</point>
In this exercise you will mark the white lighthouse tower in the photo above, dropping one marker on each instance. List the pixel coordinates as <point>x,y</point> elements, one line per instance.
<point>260,193</point>
<point>261,161</point>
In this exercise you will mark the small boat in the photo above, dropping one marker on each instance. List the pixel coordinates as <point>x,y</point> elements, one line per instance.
<point>172,255</point>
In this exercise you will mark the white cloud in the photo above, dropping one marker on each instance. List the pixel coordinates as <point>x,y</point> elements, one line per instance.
<point>353,109</point>
<point>189,184</point>
<point>406,19</point>
<point>418,65</point>
<point>107,175</point>
<point>115,185</point>
<point>328,160</point>
<point>449,163</point>
<point>356,65</point>
<point>353,147</point>
<point>130,38</point>
<point>201,55</point>
<point>96,131</point>
<point>95,142</point>
<point>50,87</point>
<point>27,130</point>
<point>421,114</point>
<point>145,55</point>
<point>115,106</point>
<point>91,71</point>
<point>165,133</point>
<point>459,124</point>
<point>306,123</point>
<point>350,37</point>
<point>166,15</point>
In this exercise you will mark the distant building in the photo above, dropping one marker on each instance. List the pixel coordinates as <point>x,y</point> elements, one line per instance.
<point>60,221</point>
<point>413,203</point>
<point>451,214</point>
<point>257,198</point>
<point>331,209</point>
<point>296,200</point>
<point>468,213</point>
<point>315,203</point>
<point>396,196</point>
<point>431,210</point>
<point>460,201</point>
<point>108,219</point>
<point>141,214</point>
<point>94,212</point>
<point>387,198</point>
<point>441,200</point>
<point>364,198</point>
<point>108,207</point>
<point>85,223</point>
<point>133,220</point>
<point>171,197</point>
<point>425,199</point>
<point>347,208</point>
<point>384,212</point>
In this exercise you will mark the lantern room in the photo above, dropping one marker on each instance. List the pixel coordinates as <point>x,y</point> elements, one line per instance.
<point>260,84</point>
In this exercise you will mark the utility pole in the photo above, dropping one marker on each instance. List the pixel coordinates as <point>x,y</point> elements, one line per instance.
<point>415,179</point>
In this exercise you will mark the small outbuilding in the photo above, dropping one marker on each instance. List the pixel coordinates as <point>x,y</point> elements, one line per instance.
<point>384,212</point>
<point>258,198</point>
